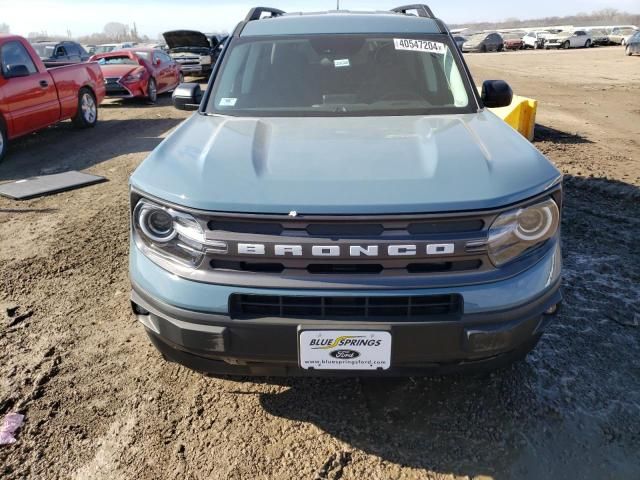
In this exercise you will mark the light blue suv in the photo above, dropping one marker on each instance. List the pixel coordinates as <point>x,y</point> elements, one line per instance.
<point>343,203</point>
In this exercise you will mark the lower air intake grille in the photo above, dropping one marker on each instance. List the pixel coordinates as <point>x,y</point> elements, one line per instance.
<point>413,308</point>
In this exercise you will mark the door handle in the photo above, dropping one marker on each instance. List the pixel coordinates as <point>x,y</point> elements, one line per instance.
<point>44,83</point>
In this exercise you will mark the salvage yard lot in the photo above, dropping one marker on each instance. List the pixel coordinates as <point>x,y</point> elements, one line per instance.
<point>101,403</point>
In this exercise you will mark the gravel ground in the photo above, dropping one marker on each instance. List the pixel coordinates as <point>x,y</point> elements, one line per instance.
<point>101,403</point>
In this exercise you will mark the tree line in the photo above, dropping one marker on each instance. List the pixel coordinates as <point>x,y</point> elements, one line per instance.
<point>112,32</point>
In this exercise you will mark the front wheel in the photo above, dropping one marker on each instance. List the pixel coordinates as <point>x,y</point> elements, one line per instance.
<point>152,91</point>
<point>3,142</point>
<point>87,114</point>
<point>627,51</point>
<point>566,45</point>
<point>588,44</point>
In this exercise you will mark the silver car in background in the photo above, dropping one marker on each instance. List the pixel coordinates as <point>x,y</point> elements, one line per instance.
<point>621,35</point>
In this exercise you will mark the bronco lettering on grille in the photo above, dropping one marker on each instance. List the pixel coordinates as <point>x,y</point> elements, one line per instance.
<point>351,250</point>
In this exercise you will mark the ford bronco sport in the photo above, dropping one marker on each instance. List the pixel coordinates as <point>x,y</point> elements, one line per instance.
<point>343,203</point>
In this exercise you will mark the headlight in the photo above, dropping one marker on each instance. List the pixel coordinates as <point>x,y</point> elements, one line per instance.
<point>517,231</point>
<point>134,77</point>
<point>164,233</point>
<point>205,60</point>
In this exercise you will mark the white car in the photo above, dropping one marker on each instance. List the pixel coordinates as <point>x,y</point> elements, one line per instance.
<point>111,47</point>
<point>575,39</point>
<point>621,35</point>
<point>535,40</point>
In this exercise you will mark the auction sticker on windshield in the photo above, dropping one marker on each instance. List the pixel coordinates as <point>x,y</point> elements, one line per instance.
<point>345,350</point>
<point>420,45</point>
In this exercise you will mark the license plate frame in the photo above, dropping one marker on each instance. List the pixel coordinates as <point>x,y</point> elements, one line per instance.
<point>344,350</point>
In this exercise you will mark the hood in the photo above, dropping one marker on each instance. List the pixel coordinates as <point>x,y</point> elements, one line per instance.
<point>372,165</point>
<point>186,38</point>
<point>110,71</point>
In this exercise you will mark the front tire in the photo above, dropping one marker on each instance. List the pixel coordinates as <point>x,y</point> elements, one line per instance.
<point>588,44</point>
<point>566,45</point>
<point>87,114</point>
<point>152,91</point>
<point>627,51</point>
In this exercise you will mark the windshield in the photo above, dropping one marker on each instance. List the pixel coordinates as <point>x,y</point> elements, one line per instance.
<point>512,36</point>
<point>326,75</point>
<point>121,60</point>
<point>44,51</point>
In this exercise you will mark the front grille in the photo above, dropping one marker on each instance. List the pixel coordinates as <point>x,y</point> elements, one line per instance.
<point>117,90</point>
<point>345,229</point>
<point>114,88</point>
<point>410,308</point>
<point>463,235</point>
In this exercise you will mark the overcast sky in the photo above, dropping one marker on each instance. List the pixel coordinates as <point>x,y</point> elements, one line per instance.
<point>82,17</point>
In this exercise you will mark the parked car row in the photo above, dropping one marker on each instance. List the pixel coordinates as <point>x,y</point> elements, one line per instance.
<point>42,83</point>
<point>140,71</point>
<point>194,51</point>
<point>544,39</point>
<point>33,96</point>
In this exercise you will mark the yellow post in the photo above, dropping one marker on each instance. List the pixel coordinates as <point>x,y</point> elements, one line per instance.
<point>521,115</point>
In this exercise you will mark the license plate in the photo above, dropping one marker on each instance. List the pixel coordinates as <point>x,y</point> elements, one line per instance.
<point>345,350</point>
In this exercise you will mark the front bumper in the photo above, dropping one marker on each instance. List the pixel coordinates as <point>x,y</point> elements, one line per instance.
<point>199,69</point>
<point>189,323</point>
<point>129,90</point>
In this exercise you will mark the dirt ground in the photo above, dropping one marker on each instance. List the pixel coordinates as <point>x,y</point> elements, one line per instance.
<point>100,403</point>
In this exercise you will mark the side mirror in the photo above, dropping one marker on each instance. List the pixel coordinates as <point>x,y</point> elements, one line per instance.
<point>187,96</point>
<point>15,71</point>
<point>496,94</point>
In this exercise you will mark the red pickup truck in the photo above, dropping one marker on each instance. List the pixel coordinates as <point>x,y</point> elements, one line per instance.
<point>33,97</point>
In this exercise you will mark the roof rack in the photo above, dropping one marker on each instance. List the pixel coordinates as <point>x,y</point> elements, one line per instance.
<point>421,10</point>
<point>256,13</point>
